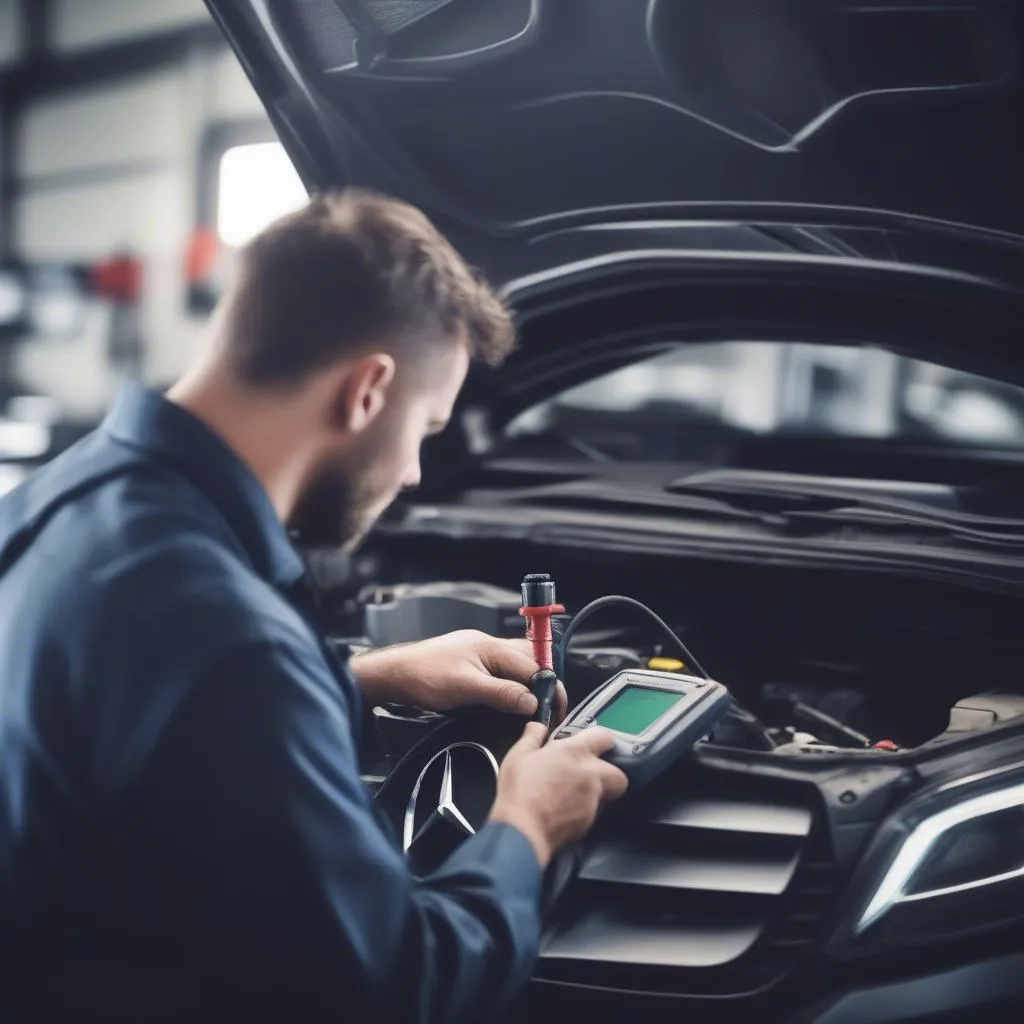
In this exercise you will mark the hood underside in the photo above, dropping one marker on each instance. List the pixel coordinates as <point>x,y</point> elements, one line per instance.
<point>506,119</point>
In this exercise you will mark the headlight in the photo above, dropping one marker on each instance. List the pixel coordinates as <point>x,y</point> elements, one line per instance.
<point>950,863</point>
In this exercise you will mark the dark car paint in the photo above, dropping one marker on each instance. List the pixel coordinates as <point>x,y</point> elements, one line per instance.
<point>890,209</point>
<point>492,116</point>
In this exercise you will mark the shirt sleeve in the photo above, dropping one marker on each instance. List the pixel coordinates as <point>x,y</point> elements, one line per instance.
<point>277,868</point>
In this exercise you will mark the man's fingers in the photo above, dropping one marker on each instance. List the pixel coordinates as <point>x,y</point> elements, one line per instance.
<point>532,739</point>
<point>509,659</point>
<point>513,660</point>
<point>501,694</point>
<point>613,780</point>
<point>595,740</point>
<point>518,644</point>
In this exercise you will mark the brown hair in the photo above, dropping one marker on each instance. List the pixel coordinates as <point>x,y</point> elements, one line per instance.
<point>353,268</point>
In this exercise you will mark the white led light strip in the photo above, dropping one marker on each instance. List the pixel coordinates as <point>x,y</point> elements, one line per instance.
<point>919,843</point>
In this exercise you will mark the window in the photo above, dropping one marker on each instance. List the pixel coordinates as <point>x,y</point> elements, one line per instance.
<point>256,184</point>
<point>13,299</point>
<point>658,407</point>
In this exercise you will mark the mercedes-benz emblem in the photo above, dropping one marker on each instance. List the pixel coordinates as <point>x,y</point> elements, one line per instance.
<point>449,801</point>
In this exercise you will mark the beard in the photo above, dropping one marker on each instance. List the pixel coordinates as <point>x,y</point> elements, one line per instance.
<point>333,513</point>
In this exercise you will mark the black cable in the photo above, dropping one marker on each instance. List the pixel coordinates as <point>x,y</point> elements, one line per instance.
<point>602,602</point>
<point>743,718</point>
<point>811,714</point>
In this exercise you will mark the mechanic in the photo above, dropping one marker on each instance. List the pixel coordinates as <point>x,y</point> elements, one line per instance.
<point>184,834</point>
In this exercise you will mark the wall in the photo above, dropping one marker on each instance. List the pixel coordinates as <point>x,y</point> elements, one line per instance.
<point>10,32</point>
<point>79,24</point>
<point>114,167</point>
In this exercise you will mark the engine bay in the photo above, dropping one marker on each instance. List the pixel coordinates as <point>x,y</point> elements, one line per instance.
<point>850,693</point>
<point>816,662</point>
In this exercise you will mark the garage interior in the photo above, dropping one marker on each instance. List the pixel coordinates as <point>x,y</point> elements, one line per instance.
<point>814,481</point>
<point>123,127</point>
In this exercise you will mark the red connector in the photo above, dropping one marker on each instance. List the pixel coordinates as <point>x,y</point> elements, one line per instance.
<point>538,631</point>
<point>538,607</point>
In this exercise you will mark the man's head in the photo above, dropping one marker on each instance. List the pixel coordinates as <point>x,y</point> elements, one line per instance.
<point>360,319</point>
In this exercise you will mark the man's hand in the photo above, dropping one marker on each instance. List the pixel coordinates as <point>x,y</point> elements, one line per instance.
<point>553,793</point>
<point>455,670</point>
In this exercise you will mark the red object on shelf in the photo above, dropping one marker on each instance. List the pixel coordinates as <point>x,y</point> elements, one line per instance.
<point>118,279</point>
<point>886,745</point>
<point>202,256</point>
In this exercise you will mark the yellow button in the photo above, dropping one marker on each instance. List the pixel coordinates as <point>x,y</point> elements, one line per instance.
<point>665,665</point>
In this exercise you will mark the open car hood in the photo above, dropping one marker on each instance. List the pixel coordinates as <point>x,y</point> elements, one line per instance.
<point>513,119</point>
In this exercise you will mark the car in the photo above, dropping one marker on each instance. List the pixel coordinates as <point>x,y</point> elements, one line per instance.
<point>767,261</point>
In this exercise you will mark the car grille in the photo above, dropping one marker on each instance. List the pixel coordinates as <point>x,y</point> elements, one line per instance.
<point>714,883</point>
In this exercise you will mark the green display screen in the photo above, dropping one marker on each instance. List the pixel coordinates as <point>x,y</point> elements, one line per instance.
<point>635,708</point>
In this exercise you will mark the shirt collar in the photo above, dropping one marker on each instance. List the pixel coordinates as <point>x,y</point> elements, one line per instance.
<point>145,419</point>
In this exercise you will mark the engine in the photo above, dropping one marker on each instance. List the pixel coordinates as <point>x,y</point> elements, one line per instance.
<point>787,701</point>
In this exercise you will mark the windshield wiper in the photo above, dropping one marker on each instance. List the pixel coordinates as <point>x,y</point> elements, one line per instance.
<point>793,489</point>
<point>982,529</point>
<point>791,499</point>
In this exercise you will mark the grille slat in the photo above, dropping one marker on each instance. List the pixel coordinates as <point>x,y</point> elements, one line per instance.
<point>733,816</point>
<point>720,892</point>
<point>665,941</point>
<point>628,862</point>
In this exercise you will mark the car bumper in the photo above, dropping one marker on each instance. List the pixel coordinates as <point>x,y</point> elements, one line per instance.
<point>990,991</point>
<point>972,992</point>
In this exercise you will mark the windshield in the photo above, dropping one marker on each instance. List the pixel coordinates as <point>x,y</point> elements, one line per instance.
<point>782,389</point>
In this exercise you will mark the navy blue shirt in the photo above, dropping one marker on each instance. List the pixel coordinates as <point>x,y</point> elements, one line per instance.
<point>183,831</point>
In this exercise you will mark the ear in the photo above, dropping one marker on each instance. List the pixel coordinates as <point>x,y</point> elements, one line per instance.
<point>363,391</point>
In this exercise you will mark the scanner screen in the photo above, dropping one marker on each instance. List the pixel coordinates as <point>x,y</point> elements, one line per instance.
<point>635,708</point>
